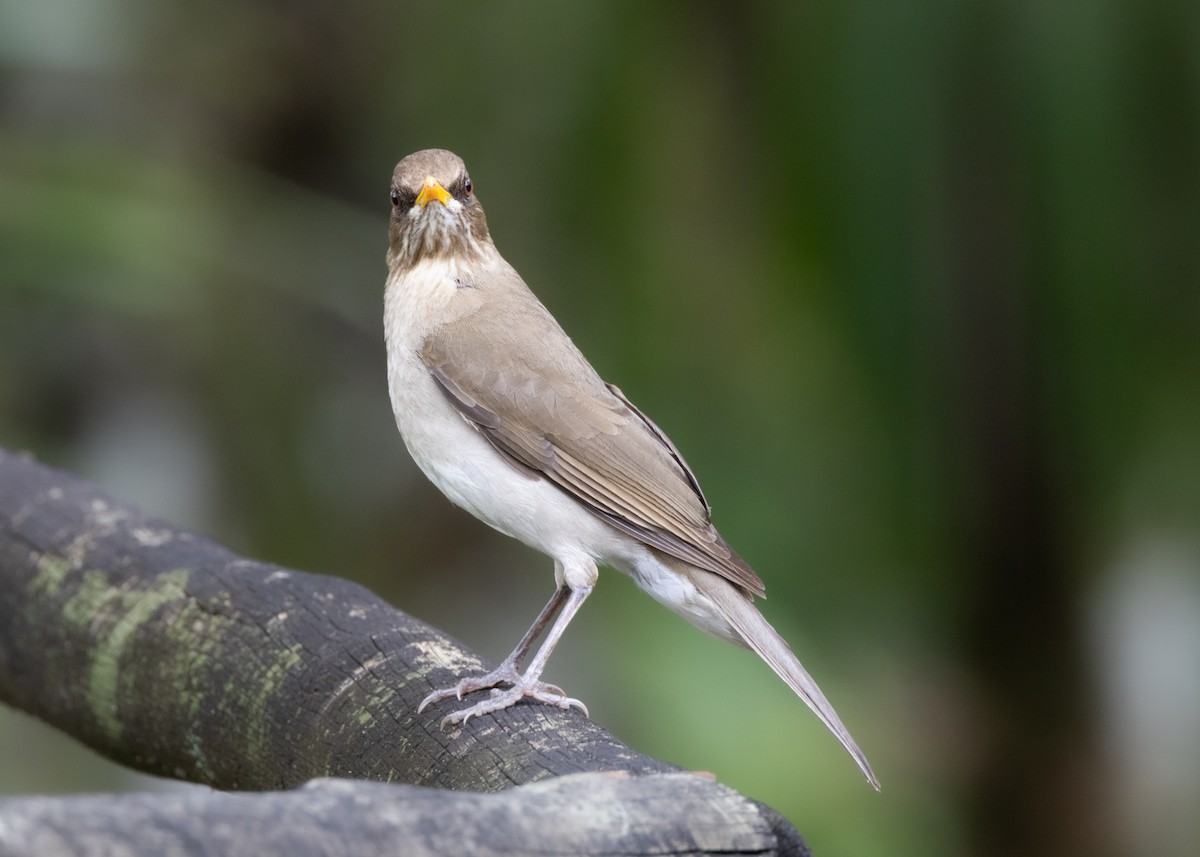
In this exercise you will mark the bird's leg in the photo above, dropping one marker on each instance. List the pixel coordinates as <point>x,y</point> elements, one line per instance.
<point>506,672</point>
<point>528,685</point>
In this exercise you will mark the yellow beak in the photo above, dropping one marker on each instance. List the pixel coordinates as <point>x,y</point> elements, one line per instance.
<point>432,190</point>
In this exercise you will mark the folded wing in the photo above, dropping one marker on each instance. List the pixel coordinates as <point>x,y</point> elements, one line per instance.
<point>554,416</point>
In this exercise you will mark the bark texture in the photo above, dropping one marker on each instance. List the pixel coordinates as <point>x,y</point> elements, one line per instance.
<point>581,814</point>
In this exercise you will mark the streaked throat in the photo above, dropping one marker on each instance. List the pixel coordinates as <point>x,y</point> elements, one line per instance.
<point>439,231</point>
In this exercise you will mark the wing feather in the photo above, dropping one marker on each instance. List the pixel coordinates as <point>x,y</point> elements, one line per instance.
<point>557,418</point>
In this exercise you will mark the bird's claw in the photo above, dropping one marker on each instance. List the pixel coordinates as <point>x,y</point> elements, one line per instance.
<point>503,674</point>
<point>498,699</point>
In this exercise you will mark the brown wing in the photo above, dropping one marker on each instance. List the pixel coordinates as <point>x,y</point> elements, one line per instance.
<point>550,413</point>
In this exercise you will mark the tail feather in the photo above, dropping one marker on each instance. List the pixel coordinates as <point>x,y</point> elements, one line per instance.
<point>772,648</point>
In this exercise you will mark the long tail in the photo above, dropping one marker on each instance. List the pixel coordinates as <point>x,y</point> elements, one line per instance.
<point>772,648</point>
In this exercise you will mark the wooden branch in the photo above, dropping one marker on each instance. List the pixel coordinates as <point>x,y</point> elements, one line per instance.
<point>580,814</point>
<point>170,654</point>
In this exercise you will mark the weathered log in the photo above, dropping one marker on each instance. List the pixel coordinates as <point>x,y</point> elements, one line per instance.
<point>580,814</point>
<point>170,654</point>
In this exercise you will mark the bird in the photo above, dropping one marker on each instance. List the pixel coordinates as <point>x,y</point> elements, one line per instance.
<point>504,414</point>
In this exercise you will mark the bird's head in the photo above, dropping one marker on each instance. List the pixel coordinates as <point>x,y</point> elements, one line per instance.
<point>434,211</point>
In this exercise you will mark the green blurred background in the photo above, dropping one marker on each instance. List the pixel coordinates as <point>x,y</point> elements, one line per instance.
<point>914,286</point>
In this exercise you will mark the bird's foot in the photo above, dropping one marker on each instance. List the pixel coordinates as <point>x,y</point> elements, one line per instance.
<point>498,700</point>
<point>506,673</point>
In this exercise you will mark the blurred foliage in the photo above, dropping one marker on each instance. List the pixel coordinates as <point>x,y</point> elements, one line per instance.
<point>914,286</point>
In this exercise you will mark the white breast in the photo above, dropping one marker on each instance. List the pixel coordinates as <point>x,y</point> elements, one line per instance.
<point>460,461</point>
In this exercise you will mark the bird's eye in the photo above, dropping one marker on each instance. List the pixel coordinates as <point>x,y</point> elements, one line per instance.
<point>395,198</point>
<point>467,184</point>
